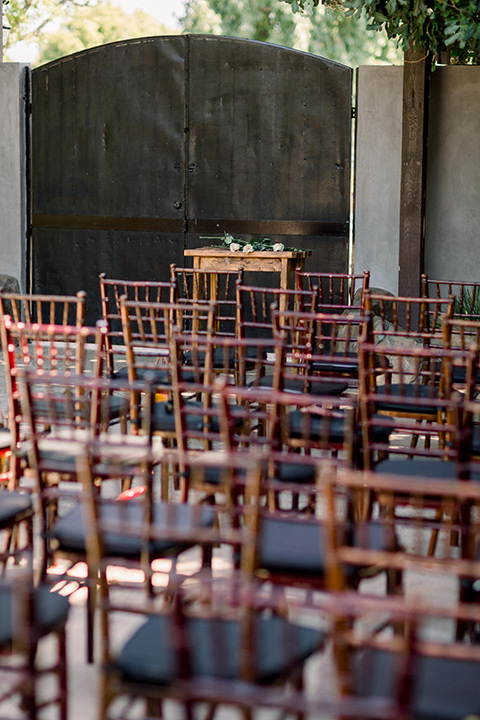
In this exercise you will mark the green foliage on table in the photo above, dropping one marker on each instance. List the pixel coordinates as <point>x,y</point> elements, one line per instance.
<point>452,25</point>
<point>247,246</point>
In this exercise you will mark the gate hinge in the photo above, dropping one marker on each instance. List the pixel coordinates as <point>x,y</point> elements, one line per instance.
<point>354,112</point>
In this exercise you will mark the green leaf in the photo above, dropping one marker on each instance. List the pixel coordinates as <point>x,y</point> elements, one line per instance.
<point>452,39</point>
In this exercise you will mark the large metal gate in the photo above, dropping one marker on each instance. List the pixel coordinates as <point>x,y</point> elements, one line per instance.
<point>141,147</point>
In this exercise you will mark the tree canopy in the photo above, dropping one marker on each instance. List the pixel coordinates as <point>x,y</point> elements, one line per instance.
<point>330,33</point>
<point>431,25</point>
<point>28,18</point>
<point>89,26</point>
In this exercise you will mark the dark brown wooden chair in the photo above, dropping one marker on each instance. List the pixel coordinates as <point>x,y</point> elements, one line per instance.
<point>111,290</point>
<point>147,329</point>
<point>254,317</point>
<point>466,295</point>
<point>322,347</point>
<point>31,615</point>
<point>393,317</point>
<point>462,333</point>
<point>193,285</point>
<point>336,291</point>
<point>212,635</point>
<point>406,405</point>
<point>61,348</point>
<point>414,323</point>
<point>443,670</point>
<point>44,309</point>
<point>290,543</point>
<point>48,309</point>
<point>65,413</point>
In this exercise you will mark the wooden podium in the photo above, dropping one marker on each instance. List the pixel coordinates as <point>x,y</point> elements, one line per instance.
<point>284,262</point>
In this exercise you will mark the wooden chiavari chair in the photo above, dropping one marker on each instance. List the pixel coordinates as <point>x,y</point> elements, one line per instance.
<point>444,670</point>
<point>466,295</point>
<point>412,410</point>
<point>111,290</point>
<point>211,635</point>
<point>336,291</point>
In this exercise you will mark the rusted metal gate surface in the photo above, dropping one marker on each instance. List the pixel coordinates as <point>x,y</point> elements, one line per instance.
<point>141,147</point>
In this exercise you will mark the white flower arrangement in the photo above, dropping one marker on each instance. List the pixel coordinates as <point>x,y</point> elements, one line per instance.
<point>248,246</point>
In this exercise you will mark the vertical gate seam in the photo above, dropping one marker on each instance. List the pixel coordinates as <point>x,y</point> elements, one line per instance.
<point>186,137</point>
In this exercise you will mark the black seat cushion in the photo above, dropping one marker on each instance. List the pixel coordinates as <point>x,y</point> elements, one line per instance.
<point>459,374</point>
<point>292,472</point>
<point>161,376</point>
<point>346,365</point>
<point>297,548</point>
<point>314,388</point>
<point>51,612</point>
<point>5,438</point>
<point>69,530</point>
<point>163,417</point>
<point>114,407</point>
<point>221,358</point>
<point>444,688</point>
<point>156,374</point>
<point>214,649</point>
<point>395,393</point>
<point>318,427</point>
<point>419,467</point>
<point>331,429</point>
<point>475,439</point>
<point>13,507</point>
<point>284,472</point>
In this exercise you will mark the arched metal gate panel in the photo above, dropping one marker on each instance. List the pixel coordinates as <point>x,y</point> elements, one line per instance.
<point>141,147</point>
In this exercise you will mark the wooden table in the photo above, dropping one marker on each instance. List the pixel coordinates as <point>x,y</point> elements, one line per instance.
<point>217,258</point>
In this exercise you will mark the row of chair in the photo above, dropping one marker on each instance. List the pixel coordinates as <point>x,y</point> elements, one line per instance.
<point>256,414</point>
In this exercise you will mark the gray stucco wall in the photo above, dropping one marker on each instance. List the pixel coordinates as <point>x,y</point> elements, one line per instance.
<point>452,242</point>
<point>452,221</point>
<point>13,225</point>
<point>377,179</point>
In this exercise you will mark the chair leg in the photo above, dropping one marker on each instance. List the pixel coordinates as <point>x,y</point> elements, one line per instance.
<point>90,609</point>
<point>154,708</point>
<point>189,714</point>
<point>62,675</point>
<point>299,687</point>
<point>434,536</point>
<point>211,711</point>
<point>29,698</point>
<point>106,696</point>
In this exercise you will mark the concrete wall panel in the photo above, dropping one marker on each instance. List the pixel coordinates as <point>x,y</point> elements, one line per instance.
<point>377,162</point>
<point>452,241</point>
<point>453,188</point>
<point>13,225</point>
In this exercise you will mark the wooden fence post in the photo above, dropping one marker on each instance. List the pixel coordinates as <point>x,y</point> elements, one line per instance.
<point>416,72</point>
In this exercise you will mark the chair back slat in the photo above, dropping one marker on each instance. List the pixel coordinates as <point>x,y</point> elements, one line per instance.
<point>320,346</point>
<point>420,318</point>
<point>111,290</point>
<point>336,291</point>
<point>203,286</point>
<point>254,318</point>
<point>44,309</point>
<point>50,348</point>
<point>465,292</point>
